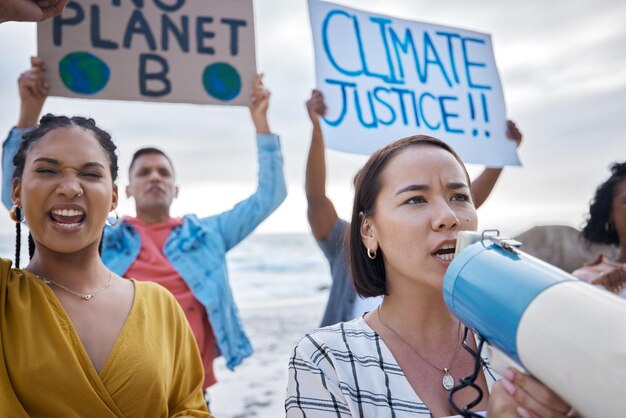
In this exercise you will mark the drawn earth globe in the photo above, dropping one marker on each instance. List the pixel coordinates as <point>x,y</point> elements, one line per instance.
<point>221,81</point>
<point>84,73</point>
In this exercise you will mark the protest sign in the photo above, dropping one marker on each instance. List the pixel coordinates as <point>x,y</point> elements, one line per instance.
<point>151,50</point>
<point>385,78</point>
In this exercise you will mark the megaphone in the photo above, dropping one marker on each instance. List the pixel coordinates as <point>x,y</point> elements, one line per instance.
<point>567,333</point>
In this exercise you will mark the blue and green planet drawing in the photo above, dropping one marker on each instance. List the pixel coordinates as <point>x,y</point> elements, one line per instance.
<point>85,73</point>
<point>222,81</point>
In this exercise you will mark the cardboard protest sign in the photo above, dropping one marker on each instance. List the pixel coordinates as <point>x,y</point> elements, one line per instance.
<point>385,78</point>
<point>184,51</point>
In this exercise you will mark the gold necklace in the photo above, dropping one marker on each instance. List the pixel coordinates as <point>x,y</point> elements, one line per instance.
<point>84,296</point>
<point>448,380</point>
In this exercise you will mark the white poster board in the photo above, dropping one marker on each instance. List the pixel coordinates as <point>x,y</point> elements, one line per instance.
<point>185,51</point>
<point>385,78</point>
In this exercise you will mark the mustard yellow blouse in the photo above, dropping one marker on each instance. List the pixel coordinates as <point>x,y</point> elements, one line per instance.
<point>154,369</point>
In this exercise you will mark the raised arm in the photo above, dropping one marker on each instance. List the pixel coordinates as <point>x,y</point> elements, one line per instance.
<point>259,105</point>
<point>320,212</point>
<point>483,184</point>
<point>30,10</point>
<point>33,92</point>
<point>241,220</point>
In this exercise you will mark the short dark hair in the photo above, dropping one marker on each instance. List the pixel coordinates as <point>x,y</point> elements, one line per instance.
<point>595,230</point>
<point>145,151</point>
<point>48,123</point>
<point>369,275</point>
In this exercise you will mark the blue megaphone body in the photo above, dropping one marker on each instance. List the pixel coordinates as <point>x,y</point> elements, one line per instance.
<point>565,332</point>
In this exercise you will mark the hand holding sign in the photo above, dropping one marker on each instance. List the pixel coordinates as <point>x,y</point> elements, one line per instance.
<point>316,106</point>
<point>259,104</point>
<point>513,133</point>
<point>29,10</point>
<point>33,91</point>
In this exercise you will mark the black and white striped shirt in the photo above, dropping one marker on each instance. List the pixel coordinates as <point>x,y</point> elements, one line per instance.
<point>346,370</point>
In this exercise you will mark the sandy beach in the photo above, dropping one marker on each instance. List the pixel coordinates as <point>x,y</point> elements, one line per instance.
<point>257,387</point>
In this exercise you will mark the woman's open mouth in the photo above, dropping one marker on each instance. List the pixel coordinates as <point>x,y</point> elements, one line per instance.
<point>445,253</point>
<point>67,218</point>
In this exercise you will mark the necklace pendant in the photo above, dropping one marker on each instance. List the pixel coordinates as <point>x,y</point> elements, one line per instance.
<point>86,297</point>
<point>447,381</point>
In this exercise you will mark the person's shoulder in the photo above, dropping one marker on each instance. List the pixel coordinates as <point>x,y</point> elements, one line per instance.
<point>9,276</point>
<point>336,234</point>
<point>6,268</point>
<point>336,335</point>
<point>340,227</point>
<point>356,325</point>
<point>154,293</point>
<point>147,287</point>
<point>5,264</point>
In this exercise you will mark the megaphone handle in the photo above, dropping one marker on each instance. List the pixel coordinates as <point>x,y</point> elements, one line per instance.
<point>469,381</point>
<point>498,361</point>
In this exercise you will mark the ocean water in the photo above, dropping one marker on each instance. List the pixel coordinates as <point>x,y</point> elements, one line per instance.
<point>278,268</point>
<point>265,269</point>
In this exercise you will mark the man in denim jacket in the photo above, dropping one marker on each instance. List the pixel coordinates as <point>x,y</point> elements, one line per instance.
<point>188,255</point>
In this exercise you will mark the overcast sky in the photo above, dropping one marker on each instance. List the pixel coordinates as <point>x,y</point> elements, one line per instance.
<point>562,67</point>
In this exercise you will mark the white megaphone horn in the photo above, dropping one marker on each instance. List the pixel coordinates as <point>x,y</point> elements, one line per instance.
<point>567,333</point>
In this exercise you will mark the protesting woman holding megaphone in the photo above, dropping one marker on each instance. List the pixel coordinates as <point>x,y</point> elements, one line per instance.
<point>412,198</point>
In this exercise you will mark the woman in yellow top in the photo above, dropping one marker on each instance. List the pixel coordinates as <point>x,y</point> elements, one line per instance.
<point>76,340</point>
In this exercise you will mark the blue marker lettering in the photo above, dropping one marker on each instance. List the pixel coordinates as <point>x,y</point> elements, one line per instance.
<point>180,34</point>
<point>137,24</point>
<point>359,113</point>
<point>167,8</point>
<point>391,77</point>
<point>404,46</point>
<point>470,99</point>
<point>401,93</point>
<point>445,115</point>
<point>469,64</point>
<point>392,113</point>
<point>96,40</point>
<point>421,108</point>
<point>234,24</point>
<point>344,100</point>
<point>202,34</point>
<point>137,3</point>
<point>331,58</point>
<point>449,37</point>
<point>429,46</point>
<point>158,76</point>
<point>415,110</point>
<point>59,21</point>
<point>485,111</point>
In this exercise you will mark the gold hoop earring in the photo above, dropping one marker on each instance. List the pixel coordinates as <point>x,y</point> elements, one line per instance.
<point>608,227</point>
<point>15,214</point>
<point>112,220</point>
<point>370,255</point>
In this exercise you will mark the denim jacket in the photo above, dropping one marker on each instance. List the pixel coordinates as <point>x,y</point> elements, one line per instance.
<point>197,249</point>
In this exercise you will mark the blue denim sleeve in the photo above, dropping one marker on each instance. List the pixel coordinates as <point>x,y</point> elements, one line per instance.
<point>238,222</point>
<point>9,148</point>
